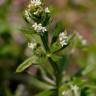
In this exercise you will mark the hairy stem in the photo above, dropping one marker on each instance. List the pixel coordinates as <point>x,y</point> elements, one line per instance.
<point>44,39</point>
<point>57,74</point>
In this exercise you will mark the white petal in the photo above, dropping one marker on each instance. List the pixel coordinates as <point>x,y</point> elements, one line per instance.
<point>47,10</point>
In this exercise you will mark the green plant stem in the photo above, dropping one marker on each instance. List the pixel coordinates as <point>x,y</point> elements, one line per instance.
<point>44,39</point>
<point>57,74</point>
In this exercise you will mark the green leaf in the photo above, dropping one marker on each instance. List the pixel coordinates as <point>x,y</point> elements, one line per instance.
<point>45,93</point>
<point>8,92</point>
<point>27,30</point>
<point>55,58</point>
<point>46,19</point>
<point>55,46</point>
<point>44,39</point>
<point>58,29</point>
<point>39,84</point>
<point>27,63</point>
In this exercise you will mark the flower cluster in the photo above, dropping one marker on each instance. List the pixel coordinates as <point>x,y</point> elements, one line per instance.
<point>38,28</point>
<point>27,15</point>
<point>32,45</point>
<point>36,2</point>
<point>47,10</point>
<point>74,90</point>
<point>32,12</point>
<point>63,38</point>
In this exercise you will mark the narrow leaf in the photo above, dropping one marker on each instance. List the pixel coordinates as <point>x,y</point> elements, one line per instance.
<point>39,84</point>
<point>45,93</point>
<point>58,29</point>
<point>27,63</point>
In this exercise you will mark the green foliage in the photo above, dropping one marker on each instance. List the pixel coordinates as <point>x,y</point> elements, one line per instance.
<point>57,68</point>
<point>27,63</point>
<point>47,93</point>
<point>57,62</point>
<point>58,28</point>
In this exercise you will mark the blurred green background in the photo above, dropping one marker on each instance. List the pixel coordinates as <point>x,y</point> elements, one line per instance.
<point>79,15</point>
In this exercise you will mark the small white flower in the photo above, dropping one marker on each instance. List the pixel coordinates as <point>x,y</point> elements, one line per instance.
<point>32,45</point>
<point>84,42</point>
<point>39,28</point>
<point>35,26</point>
<point>47,10</point>
<point>75,89</point>
<point>63,38</point>
<point>35,13</point>
<point>67,93</point>
<point>36,2</point>
<point>27,15</point>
